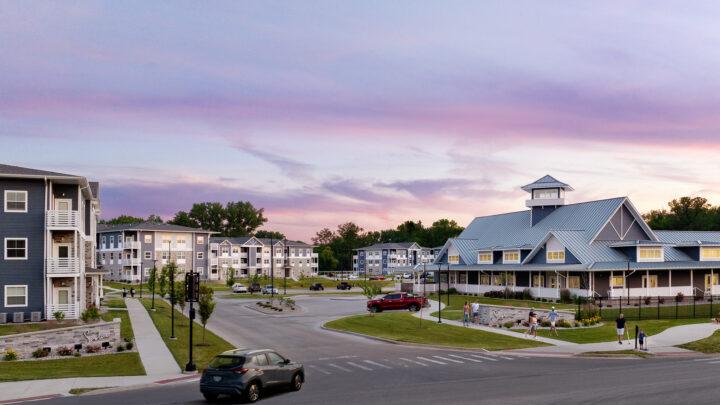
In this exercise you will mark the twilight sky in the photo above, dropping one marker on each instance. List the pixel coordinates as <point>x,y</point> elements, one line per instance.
<point>374,112</point>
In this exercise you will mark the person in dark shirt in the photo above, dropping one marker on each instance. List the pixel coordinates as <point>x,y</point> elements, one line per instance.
<point>620,325</point>
<point>641,340</point>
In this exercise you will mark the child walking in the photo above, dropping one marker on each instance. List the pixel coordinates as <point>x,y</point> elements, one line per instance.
<point>641,340</point>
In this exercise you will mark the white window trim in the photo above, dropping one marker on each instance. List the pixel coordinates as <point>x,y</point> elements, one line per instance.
<point>708,259</point>
<point>511,261</point>
<point>6,201</point>
<point>146,254</point>
<point>550,252</point>
<point>654,259</point>
<point>200,255</point>
<point>16,306</point>
<point>485,261</point>
<point>16,258</point>
<point>200,240</point>
<point>145,238</point>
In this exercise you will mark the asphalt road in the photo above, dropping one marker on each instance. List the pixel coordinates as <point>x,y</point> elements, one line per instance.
<point>351,370</point>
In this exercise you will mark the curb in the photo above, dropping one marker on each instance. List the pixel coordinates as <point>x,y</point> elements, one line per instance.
<point>38,398</point>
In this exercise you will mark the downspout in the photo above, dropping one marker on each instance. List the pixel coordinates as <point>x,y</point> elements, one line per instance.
<point>45,249</point>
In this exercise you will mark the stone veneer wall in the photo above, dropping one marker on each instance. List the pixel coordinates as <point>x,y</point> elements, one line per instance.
<point>95,334</point>
<point>498,315</point>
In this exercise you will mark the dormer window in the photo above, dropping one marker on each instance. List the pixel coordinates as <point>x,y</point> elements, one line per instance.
<point>556,256</point>
<point>710,253</point>
<point>454,259</point>
<point>485,258</point>
<point>512,256</point>
<point>650,254</point>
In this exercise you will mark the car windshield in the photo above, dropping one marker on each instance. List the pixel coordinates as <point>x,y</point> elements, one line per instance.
<point>226,362</point>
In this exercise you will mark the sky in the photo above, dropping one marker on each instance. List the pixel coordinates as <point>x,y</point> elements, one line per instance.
<point>376,112</point>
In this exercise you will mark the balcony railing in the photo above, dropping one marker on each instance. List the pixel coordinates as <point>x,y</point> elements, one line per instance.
<point>63,219</point>
<point>71,311</point>
<point>63,265</point>
<point>133,261</point>
<point>131,245</point>
<point>213,261</point>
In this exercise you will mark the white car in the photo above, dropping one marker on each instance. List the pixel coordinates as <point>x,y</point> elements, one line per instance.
<point>353,277</point>
<point>268,289</point>
<point>239,288</point>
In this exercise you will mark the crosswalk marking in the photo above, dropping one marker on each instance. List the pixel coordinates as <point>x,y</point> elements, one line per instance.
<point>483,357</point>
<point>340,367</point>
<point>506,358</point>
<point>430,360</point>
<point>359,366</point>
<point>320,370</point>
<point>376,364</point>
<point>465,358</point>
<point>713,362</point>
<point>446,359</point>
<point>708,359</point>
<point>413,361</point>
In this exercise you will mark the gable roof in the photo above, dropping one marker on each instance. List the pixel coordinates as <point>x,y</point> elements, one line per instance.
<point>546,181</point>
<point>391,245</point>
<point>149,226</point>
<point>8,170</point>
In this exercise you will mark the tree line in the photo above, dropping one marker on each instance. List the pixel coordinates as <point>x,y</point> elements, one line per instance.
<point>685,214</point>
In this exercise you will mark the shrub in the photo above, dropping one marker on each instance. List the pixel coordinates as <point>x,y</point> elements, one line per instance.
<point>64,351</point>
<point>10,355</point>
<point>647,300</point>
<point>679,297</point>
<point>121,348</point>
<point>565,296</point>
<point>40,353</point>
<point>92,348</point>
<point>129,345</point>
<point>90,314</point>
<point>59,315</point>
<point>509,324</point>
<point>661,300</point>
<point>77,354</point>
<point>564,323</point>
<point>588,311</point>
<point>544,300</point>
<point>452,290</point>
<point>518,295</point>
<point>545,324</point>
<point>508,293</point>
<point>526,295</point>
<point>699,297</point>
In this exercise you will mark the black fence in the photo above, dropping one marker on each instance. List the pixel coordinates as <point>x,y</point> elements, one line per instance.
<point>646,308</point>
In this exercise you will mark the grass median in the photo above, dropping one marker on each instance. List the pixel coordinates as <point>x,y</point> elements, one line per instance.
<point>202,354</point>
<point>107,365</point>
<point>710,344</point>
<point>404,327</point>
<point>126,331</point>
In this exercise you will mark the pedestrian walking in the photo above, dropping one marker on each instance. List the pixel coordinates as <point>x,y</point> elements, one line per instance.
<point>132,292</point>
<point>466,314</point>
<point>641,340</point>
<point>532,320</point>
<point>553,316</point>
<point>124,292</point>
<point>476,311</point>
<point>620,326</point>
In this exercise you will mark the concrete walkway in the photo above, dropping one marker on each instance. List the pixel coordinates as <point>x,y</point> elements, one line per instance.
<point>662,343</point>
<point>155,355</point>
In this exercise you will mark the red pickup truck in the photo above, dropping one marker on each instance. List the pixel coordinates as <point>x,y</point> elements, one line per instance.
<point>398,301</point>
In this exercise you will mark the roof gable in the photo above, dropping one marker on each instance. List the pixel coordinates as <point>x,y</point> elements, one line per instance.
<point>546,181</point>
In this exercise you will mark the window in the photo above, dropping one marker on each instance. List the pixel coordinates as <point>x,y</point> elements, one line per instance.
<point>538,280</point>
<point>15,201</point>
<point>485,279</point>
<point>710,253</point>
<point>484,257</point>
<point>165,255</point>
<point>200,255</point>
<point>181,255</point>
<point>104,241</point>
<point>714,280</point>
<point>199,270</point>
<point>511,257</point>
<point>454,259</point>
<point>653,281</point>
<point>278,251</point>
<point>555,255</point>
<point>166,240</point>
<point>545,194</point>
<point>261,360</point>
<point>181,240</point>
<point>653,253</point>
<point>148,255</point>
<point>15,249</point>
<point>15,295</point>
<point>617,281</point>
<point>266,250</point>
<point>463,278</point>
<point>112,241</point>
<point>497,280</point>
<point>200,240</point>
<point>266,261</point>
<point>573,282</point>
<point>235,250</point>
<point>112,257</point>
<point>234,261</point>
<point>148,238</point>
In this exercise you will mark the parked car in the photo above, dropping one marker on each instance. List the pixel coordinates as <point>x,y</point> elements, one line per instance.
<point>407,276</point>
<point>377,278</point>
<point>239,288</point>
<point>353,277</point>
<point>255,287</point>
<point>316,287</point>
<point>344,286</point>
<point>269,289</point>
<point>247,372</point>
<point>398,301</point>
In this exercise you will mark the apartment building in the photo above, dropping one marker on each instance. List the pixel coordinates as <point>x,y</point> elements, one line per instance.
<point>47,227</point>
<point>248,255</point>
<point>127,251</point>
<point>381,257</point>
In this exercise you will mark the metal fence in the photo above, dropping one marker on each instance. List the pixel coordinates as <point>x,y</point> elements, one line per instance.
<point>646,308</point>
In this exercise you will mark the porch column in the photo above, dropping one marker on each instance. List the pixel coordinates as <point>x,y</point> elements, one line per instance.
<point>492,280</point>
<point>625,285</point>
<point>557,285</point>
<point>692,285</point>
<point>712,282</point>
<point>75,300</point>
<point>467,275</point>
<point>612,290</point>
<point>670,281</point>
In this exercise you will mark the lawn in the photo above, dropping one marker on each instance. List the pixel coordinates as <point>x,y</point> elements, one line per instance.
<point>669,310</point>
<point>710,344</point>
<point>114,303</point>
<point>217,286</point>
<point>403,327</point>
<point>126,331</point>
<point>92,366</point>
<point>179,347</point>
<point>606,332</point>
<point>12,329</point>
<point>457,302</point>
<point>623,352</point>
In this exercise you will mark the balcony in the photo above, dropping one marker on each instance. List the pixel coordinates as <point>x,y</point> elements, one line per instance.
<point>133,261</point>
<point>71,311</point>
<point>214,246</point>
<point>213,261</point>
<point>69,265</point>
<point>544,202</point>
<point>131,245</point>
<point>63,219</point>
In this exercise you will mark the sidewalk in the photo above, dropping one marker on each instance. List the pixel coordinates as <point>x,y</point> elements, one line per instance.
<point>662,343</point>
<point>155,355</point>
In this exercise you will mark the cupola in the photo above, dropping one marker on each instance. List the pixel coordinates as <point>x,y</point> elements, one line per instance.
<point>546,195</point>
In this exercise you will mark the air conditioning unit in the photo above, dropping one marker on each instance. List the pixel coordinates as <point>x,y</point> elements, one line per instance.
<point>36,316</point>
<point>18,317</point>
<point>3,317</point>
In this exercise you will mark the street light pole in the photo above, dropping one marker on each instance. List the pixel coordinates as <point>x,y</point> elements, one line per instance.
<point>154,276</point>
<point>142,275</point>
<point>190,366</point>
<point>272,269</point>
<point>172,268</point>
<point>286,252</point>
<point>439,296</point>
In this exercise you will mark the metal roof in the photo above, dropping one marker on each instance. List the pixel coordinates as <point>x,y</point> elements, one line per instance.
<point>546,181</point>
<point>148,226</point>
<point>24,171</point>
<point>680,237</point>
<point>667,265</point>
<point>631,243</point>
<point>392,245</point>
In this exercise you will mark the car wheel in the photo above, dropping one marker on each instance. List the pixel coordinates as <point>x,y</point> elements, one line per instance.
<point>296,382</point>
<point>374,309</point>
<point>210,396</point>
<point>413,308</point>
<point>253,392</point>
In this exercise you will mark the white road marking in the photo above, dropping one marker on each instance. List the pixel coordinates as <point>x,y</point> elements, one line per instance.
<point>713,362</point>
<point>413,361</point>
<point>430,360</point>
<point>483,357</point>
<point>446,359</point>
<point>506,358</point>
<point>359,366</point>
<point>465,358</point>
<point>320,370</point>
<point>377,364</point>
<point>710,359</point>
<point>340,367</point>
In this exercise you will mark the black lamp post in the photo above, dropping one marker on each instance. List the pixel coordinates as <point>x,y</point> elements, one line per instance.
<point>190,296</point>
<point>172,268</point>
<point>286,253</point>
<point>439,296</point>
<point>272,269</point>
<point>154,276</point>
<point>142,275</point>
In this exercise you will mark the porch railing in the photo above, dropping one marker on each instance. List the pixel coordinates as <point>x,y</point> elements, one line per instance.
<point>63,219</point>
<point>63,265</point>
<point>71,311</point>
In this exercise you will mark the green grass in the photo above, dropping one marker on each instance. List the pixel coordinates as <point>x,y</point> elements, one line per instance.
<point>403,327</point>
<point>114,303</point>
<point>202,355</point>
<point>92,366</point>
<point>116,285</point>
<point>126,331</point>
<point>218,286</point>
<point>669,310</point>
<point>13,329</point>
<point>80,391</point>
<point>607,331</point>
<point>623,352</point>
<point>457,302</point>
<point>710,344</point>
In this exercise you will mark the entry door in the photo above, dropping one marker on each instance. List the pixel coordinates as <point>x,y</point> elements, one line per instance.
<point>653,281</point>
<point>63,204</point>
<point>62,250</point>
<point>62,295</point>
<point>710,283</point>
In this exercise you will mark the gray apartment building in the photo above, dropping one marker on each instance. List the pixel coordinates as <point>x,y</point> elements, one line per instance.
<point>248,255</point>
<point>382,257</point>
<point>127,251</point>
<point>47,228</point>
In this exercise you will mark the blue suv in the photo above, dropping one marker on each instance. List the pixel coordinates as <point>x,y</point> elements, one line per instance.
<point>244,372</point>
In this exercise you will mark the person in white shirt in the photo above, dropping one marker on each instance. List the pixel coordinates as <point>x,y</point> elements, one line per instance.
<point>475,311</point>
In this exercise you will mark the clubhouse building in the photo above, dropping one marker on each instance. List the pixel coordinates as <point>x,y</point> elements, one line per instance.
<point>598,248</point>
